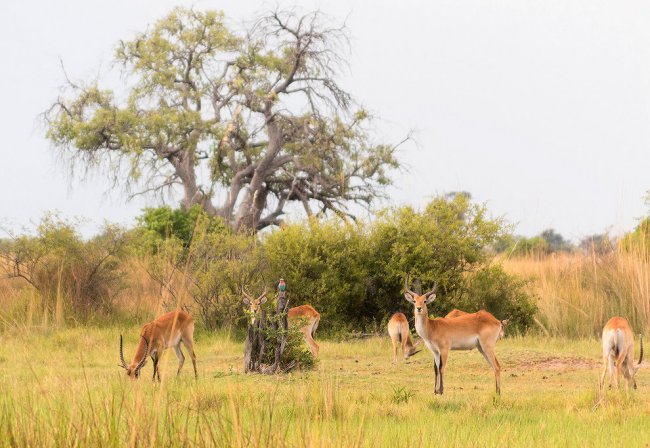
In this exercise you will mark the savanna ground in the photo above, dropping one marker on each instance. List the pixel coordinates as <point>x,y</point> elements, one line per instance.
<point>64,388</point>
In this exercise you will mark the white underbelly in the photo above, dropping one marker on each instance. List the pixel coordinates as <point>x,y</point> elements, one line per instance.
<point>467,343</point>
<point>173,342</point>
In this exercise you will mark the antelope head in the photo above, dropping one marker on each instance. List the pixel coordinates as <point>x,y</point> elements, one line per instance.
<point>420,301</point>
<point>254,304</point>
<point>133,370</point>
<point>414,349</point>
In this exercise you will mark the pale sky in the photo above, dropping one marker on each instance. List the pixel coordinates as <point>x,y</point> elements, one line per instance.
<point>539,108</point>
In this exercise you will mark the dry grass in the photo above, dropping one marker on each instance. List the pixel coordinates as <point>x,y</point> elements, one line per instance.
<point>579,293</point>
<point>64,388</point>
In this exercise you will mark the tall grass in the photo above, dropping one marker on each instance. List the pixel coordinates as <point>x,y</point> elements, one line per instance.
<point>578,293</point>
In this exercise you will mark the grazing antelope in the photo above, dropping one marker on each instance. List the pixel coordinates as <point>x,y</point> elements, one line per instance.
<point>479,330</point>
<point>169,330</point>
<point>295,314</point>
<point>400,334</point>
<point>618,352</point>
<point>456,312</point>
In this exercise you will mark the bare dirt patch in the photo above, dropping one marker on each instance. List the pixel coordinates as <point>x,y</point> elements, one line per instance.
<point>559,363</point>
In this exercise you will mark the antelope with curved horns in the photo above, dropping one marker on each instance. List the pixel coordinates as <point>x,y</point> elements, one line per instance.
<point>400,334</point>
<point>618,352</point>
<point>169,330</point>
<point>479,330</point>
<point>254,304</point>
<point>298,313</point>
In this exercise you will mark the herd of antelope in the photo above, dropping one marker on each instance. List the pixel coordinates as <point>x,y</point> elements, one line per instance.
<point>458,330</point>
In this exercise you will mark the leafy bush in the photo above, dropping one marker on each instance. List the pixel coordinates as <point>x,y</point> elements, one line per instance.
<point>325,264</point>
<point>162,223</point>
<point>441,243</point>
<point>502,294</point>
<point>638,241</point>
<point>354,274</point>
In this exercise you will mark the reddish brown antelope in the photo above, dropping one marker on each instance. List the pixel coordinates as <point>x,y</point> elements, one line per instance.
<point>456,312</point>
<point>169,330</point>
<point>400,334</point>
<point>618,352</point>
<point>306,313</point>
<point>479,330</point>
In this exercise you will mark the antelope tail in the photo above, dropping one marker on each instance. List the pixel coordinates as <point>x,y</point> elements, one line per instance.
<point>641,351</point>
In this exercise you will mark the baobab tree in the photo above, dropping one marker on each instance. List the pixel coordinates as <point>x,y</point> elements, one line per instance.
<point>241,123</point>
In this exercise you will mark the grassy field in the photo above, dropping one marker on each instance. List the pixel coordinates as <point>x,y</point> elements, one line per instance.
<point>64,388</point>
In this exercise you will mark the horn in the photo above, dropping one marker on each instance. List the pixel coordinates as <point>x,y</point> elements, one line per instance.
<point>144,358</point>
<point>122,355</point>
<point>243,291</point>
<point>433,290</point>
<point>264,293</point>
<point>641,353</point>
<point>406,286</point>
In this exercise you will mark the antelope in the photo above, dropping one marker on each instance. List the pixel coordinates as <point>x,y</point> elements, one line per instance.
<point>456,312</point>
<point>254,304</point>
<point>400,334</point>
<point>479,330</point>
<point>618,352</point>
<point>169,330</point>
<point>295,314</point>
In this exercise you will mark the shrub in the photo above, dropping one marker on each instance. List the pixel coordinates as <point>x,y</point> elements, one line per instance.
<point>72,276</point>
<point>504,295</point>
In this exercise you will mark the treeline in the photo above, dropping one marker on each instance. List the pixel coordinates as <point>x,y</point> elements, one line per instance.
<point>550,241</point>
<point>353,272</point>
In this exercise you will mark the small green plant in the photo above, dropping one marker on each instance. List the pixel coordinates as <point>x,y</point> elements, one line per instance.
<point>401,395</point>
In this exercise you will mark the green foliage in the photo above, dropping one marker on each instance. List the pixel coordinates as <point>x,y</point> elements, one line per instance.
<point>180,118</point>
<point>639,239</point>
<point>504,295</point>
<point>547,242</point>
<point>401,395</point>
<point>439,244</point>
<point>354,274</point>
<point>219,264</point>
<point>324,264</point>
<point>161,223</point>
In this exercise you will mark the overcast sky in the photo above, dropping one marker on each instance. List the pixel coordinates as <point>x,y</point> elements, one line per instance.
<point>539,108</point>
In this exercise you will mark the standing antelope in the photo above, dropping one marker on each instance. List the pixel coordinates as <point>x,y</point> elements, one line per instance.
<point>169,330</point>
<point>479,330</point>
<point>456,312</point>
<point>618,352</point>
<point>295,314</point>
<point>400,334</point>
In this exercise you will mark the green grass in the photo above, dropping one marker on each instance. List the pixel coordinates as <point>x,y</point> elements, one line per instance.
<point>64,389</point>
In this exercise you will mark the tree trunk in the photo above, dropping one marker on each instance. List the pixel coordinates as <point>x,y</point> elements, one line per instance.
<point>273,330</point>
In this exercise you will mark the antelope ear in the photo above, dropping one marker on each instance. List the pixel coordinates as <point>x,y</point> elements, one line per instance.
<point>263,300</point>
<point>246,301</point>
<point>409,297</point>
<point>430,297</point>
